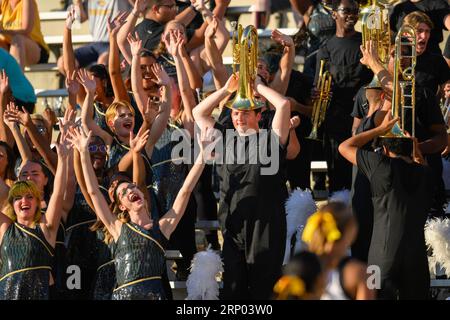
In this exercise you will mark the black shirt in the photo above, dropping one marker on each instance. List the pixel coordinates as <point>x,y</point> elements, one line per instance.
<point>401,196</point>
<point>150,31</point>
<point>435,9</point>
<point>361,105</point>
<point>431,71</point>
<point>343,55</point>
<point>447,48</point>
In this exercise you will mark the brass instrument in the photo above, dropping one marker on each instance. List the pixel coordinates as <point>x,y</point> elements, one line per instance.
<point>321,103</point>
<point>404,84</point>
<point>375,27</point>
<point>245,54</point>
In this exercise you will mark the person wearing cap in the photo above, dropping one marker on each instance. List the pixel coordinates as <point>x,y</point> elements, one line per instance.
<point>252,195</point>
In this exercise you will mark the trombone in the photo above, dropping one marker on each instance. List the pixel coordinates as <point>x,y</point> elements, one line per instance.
<point>404,84</point>
<point>322,102</point>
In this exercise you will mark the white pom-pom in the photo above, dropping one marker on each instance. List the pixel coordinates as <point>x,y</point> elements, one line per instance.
<point>341,196</point>
<point>299,206</point>
<point>437,237</point>
<point>201,283</point>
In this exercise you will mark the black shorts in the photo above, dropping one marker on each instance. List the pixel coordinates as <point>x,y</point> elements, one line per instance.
<point>44,55</point>
<point>89,54</point>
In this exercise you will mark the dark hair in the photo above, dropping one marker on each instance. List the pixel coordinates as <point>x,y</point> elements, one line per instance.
<point>399,146</point>
<point>335,4</point>
<point>100,71</point>
<point>48,188</point>
<point>10,175</point>
<point>305,265</point>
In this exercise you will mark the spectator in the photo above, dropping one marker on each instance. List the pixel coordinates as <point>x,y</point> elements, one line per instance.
<point>437,10</point>
<point>20,88</point>
<point>98,13</point>
<point>20,32</point>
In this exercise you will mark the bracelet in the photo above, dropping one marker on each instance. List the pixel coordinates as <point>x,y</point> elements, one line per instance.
<point>135,14</point>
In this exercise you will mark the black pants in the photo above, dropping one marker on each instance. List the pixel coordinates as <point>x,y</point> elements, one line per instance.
<point>207,204</point>
<point>242,281</point>
<point>339,169</point>
<point>439,197</point>
<point>362,208</point>
<point>299,169</point>
<point>183,238</point>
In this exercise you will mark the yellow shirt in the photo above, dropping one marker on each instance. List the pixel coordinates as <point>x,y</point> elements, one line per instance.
<point>12,20</point>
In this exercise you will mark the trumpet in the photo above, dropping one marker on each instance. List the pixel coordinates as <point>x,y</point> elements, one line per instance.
<point>404,84</point>
<point>245,54</point>
<point>321,103</point>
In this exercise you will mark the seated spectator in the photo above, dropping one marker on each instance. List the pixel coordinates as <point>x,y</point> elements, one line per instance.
<point>21,90</point>
<point>98,13</point>
<point>20,32</point>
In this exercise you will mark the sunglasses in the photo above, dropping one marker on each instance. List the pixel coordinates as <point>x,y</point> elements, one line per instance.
<point>95,148</point>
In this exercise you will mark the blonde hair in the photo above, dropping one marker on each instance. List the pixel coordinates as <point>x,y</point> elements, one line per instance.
<point>417,17</point>
<point>326,226</point>
<point>161,48</point>
<point>19,189</point>
<point>111,112</point>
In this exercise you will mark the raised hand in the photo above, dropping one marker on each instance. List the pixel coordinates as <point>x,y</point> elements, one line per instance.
<point>162,79</point>
<point>78,139</point>
<point>294,122</point>
<point>71,15</point>
<point>211,30</point>
<point>49,117</point>
<point>137,144</point>
<point>13,114</point>
<point>72,84</point>
<point>87,81</point>
<point>150,113</point>
<point>67,122</point>
<point>63,147</point>
<point>199,5</point>
<point>4,82</point>
<point>139,6</point>
<point>232,83</point>
<point>171,43</point>
<point>115,24</point>
<point>284,40</point>
<point>9,116</point>
<point>207,142</point>
<point>135,44</point>
<point>370,54</point>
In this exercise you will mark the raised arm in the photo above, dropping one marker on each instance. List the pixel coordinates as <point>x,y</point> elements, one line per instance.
<point>80,141</point>
<point>73,87</point>
<point>128,27</point>
<point>349,147</point>
<point>80,7</point>
<point>12,121</point>
<point>136,74</point>
<point>120,92</point>
<point>87,112</point>
<point>54,210</point>
<point>280,123</point>
<point>5,133</point>
<point>137,145</point>
<point>214,56</point>
<point>280,82</point>
<point>42,145</point>
<point>176,49</point>
<point>202,112</point>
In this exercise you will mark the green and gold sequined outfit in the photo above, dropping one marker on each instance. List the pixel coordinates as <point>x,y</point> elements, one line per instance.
<point>25,264</point>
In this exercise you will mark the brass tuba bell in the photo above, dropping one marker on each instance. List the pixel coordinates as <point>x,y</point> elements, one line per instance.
<point>245,54</point>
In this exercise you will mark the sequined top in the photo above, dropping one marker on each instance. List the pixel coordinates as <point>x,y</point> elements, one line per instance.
<point>168,177</point>
<point>25,261</point>
<point>99,116</point>
<point>139,253</point>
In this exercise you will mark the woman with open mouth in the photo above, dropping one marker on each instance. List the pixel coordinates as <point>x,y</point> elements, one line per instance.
<point>140,241</point>
<point>28,237</point>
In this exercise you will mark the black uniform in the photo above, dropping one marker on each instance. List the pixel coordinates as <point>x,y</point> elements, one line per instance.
<point>343,56</point>
<point>401,195</point>
<point>435,9</point>
<point>253,221</point>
